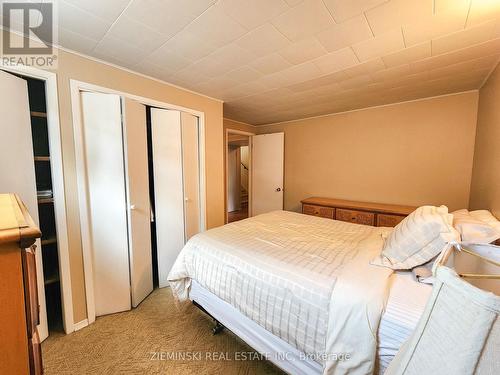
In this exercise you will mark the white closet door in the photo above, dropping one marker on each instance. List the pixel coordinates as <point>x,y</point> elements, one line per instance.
<point>141,272</point>
<point>267,172</point>
<point>168,183</point>
<point>17,166</point>
<point>105,183</point>
<point>191,173</point>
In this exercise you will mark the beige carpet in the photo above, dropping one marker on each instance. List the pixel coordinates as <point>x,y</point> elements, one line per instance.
<point>127,343</point>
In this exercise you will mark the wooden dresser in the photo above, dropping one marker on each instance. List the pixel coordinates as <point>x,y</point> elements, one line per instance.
<point>20,349</point>
<point>376,214</point>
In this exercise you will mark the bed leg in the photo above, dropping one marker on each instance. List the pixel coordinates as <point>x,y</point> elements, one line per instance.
<point>218,328</point>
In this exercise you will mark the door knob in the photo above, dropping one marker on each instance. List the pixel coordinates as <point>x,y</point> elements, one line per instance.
<point>132,206</point>
<point>278,189</point>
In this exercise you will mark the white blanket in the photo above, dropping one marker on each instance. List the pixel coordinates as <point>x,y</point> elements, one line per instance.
<point>305,279</point>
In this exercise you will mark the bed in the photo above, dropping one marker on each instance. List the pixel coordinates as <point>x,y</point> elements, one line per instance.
<point>301,290</point>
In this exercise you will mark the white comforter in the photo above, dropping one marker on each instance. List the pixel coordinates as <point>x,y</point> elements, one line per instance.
<point>305,279</point>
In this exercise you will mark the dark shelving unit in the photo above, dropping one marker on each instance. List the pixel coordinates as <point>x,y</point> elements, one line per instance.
<point>46,214</point>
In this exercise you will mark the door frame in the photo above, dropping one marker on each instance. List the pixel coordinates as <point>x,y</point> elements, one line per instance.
<point>75,88</point>
<point>226,185</point>
<point>56,164</point>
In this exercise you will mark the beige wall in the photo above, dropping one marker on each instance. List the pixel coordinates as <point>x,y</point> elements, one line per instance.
<point>71,66</point>
<point>409,153</point>
<point>485,187</point>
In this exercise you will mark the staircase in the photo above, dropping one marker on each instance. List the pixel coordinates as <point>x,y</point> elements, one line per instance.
<point>244,197</point>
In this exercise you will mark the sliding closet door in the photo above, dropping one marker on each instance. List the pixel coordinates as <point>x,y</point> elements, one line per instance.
<point>139,210</point>
<point>191,173</point>
<point>168,186</point>
<point>17,165</point>
<point>106,194</point>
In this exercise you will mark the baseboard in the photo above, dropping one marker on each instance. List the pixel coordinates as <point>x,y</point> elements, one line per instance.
<point>78,326</point>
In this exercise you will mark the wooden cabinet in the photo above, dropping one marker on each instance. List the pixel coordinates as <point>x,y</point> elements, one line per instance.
<point>320,211</point>
<point>19,314</point>
<point>353,216</point>
<point>366,213</point>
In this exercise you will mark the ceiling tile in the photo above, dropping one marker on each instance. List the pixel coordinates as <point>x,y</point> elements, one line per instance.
<point>395,13</point>
<point>464,38</point>
<point>355,82</point>
<point>303,50</point>
<point>379,46</point>
<point>346,33</point>
<point>303,20</point>
<point>302,72</point>
<point>407,55</point>
<point>70,18</point>
<point>483,10</point>
<point>167,17</point>
<point>391,73</point>
<point>338,60</point>
<point>168,59</point>
<point>76,42</point>
<point>108,10</point>
<point>270,64</point>
<point>242,75</point>
<point>189,45</point>
<point>232,56</point>
<point>445,22</point>
<point>293,2</point>
<point>263,40</point>
<point>215,27</point>
<point>368,67</point>
<point>136,34</point>
<point>252,14</point>
<point>117,51</point>
<point>342,10</point>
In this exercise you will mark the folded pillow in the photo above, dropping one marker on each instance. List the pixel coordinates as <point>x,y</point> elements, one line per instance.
<point>487,217</point>
<point>418,238</point>
<point>474,230</point>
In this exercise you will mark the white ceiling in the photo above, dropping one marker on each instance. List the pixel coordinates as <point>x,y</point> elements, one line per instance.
<point>276,60</point>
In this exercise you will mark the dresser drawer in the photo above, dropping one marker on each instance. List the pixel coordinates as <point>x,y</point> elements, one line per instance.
<point>30,290</point>
<point>385,220</point>
<point>352,216</point>
<point>326,212</point>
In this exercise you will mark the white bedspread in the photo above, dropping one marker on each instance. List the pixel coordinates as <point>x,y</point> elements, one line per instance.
<point>305,279</point>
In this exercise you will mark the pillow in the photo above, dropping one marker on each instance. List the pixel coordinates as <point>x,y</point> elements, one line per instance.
<point>418,238</point>
<point>472,229</point>
<point>487,217</point>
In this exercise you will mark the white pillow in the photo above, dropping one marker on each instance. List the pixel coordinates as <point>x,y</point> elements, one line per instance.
<point>472,229</point>
<point>487,217</point>
<point>418,238</point>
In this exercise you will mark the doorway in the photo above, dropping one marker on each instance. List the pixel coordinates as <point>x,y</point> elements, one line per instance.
<point>238,176</point>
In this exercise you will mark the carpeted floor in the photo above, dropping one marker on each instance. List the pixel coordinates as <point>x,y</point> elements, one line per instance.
<point>158,337</point>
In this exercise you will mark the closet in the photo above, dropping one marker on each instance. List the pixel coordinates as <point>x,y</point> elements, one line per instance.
<point>140,195</point>
<point>27,170</point>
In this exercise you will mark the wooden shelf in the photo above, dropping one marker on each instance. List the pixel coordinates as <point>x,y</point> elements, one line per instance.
<point>42,158</point>
<point>49,241</point>
<point>45,200</point>
<point>51,280</point>
<point>38,114</point>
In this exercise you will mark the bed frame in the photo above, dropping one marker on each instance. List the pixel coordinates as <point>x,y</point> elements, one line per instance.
<point>271,347</point>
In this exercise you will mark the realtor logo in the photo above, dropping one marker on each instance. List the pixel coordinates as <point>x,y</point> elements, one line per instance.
<point>35,23</point>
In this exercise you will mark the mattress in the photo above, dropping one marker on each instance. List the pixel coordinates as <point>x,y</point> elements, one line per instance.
<point>405,305</point>
<point>305,279</point>
<point>406,302</point>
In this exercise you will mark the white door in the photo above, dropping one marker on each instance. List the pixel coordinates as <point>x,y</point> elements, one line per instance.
<point>17,165</point>
<point>139,210</point>
<point>168,188</point>
<point>191,173</point>
<point>106,194</point>
<point>267,172</point>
